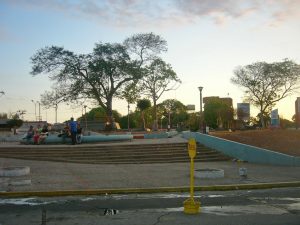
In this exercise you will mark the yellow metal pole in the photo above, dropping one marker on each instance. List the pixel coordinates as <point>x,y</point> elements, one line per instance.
<point>190,205</point>
<point>192,178</point>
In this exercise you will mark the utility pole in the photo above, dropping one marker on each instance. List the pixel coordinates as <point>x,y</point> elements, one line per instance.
<point>200,119</point>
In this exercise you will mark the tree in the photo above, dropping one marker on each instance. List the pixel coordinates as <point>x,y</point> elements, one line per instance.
<point>267,83</point>
<point>173,110</point>
<point>159,78</point>
<point>142,105</point>
<point>130,94</point>
<point>98,76</point>
<point>145,48</point>
<point>218,113</point>
<point>51,99</point>
<point>101,75</point>
<point>3,116</point>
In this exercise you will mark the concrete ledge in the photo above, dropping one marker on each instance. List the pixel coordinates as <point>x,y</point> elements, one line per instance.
<point>150,190</point>
<point>54,139</point>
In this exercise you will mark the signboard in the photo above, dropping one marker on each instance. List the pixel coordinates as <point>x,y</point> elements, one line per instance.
<point>274,118</point>
<point>274,114</point>
<point>190,107</point>
<point>192,148</point>
<point>243,111</point>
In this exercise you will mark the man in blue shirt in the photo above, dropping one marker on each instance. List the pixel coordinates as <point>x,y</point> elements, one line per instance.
<point>73,130</point>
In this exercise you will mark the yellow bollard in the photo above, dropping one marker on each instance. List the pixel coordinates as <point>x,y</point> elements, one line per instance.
<point>190,205</point>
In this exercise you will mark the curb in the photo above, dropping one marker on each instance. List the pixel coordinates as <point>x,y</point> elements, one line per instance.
<point>150,190</point>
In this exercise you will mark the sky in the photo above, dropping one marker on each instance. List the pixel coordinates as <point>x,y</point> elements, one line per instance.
<point>207,40</point>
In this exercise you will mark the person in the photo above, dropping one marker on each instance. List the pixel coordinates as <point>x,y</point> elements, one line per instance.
<point>43,134</point>
<point>73,130</point>
<point>36,135</point>
<point>65,132</point>
<point>79,134</point>
<point>29,134</point>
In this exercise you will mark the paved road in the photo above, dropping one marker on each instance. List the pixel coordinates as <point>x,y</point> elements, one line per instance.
<point>255,207</point>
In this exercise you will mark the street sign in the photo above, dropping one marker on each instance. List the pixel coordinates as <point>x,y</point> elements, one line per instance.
<point>192,148</point>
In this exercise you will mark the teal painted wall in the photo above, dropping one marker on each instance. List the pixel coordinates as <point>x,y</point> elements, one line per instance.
<point>244,152</point>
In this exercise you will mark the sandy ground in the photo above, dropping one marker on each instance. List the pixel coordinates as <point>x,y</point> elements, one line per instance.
<point>284,141</point>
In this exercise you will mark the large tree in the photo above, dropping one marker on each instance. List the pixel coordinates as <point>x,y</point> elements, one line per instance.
<point>99,76</point>
<point>267,83</point>
<point>159,78</point>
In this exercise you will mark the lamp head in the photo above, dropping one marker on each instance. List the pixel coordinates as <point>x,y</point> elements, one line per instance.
<point>200,88</point>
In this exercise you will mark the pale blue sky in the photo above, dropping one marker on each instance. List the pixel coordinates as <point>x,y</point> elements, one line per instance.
<point>207,40</point>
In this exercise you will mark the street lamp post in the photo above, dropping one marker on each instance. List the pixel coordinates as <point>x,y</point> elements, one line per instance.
<point>128,116</point>
<point>85,116</point>
<point>200,123</point>
<point>34,108</point>
<point>40,119</point>
<point>56,106</point>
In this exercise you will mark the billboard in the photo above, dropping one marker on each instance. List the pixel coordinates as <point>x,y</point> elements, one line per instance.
<point>243,111</point>
<point>190,107</point>
<point>274,118</point>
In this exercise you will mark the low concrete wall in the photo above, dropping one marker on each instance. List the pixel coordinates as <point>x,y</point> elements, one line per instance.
<point>160,135</point>
<point>54,139</point>
<point>244,152</point>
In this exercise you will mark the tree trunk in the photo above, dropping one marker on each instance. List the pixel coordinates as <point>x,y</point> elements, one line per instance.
<point>144,122</point>
<point>262,120</point>
<point>155,123</point>
<point>110,123</point>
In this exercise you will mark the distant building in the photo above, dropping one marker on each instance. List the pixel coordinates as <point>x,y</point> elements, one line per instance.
<point>297,112</point>
<point>243,111</point>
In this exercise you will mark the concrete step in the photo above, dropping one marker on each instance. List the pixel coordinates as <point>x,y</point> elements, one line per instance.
<point>149,153</point>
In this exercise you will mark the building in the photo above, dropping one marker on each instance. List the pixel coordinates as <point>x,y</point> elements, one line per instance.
<point>297,112</point>
<point>243,111</point>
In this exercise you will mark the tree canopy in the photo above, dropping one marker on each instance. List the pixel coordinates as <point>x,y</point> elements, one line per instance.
<point>101,75</point>
<point>142,105</point>
<point>159,78</point>
<point>217,113</point>
<point>267,83</point>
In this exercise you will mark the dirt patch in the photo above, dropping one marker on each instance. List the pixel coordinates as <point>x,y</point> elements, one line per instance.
<point>284,141</point>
